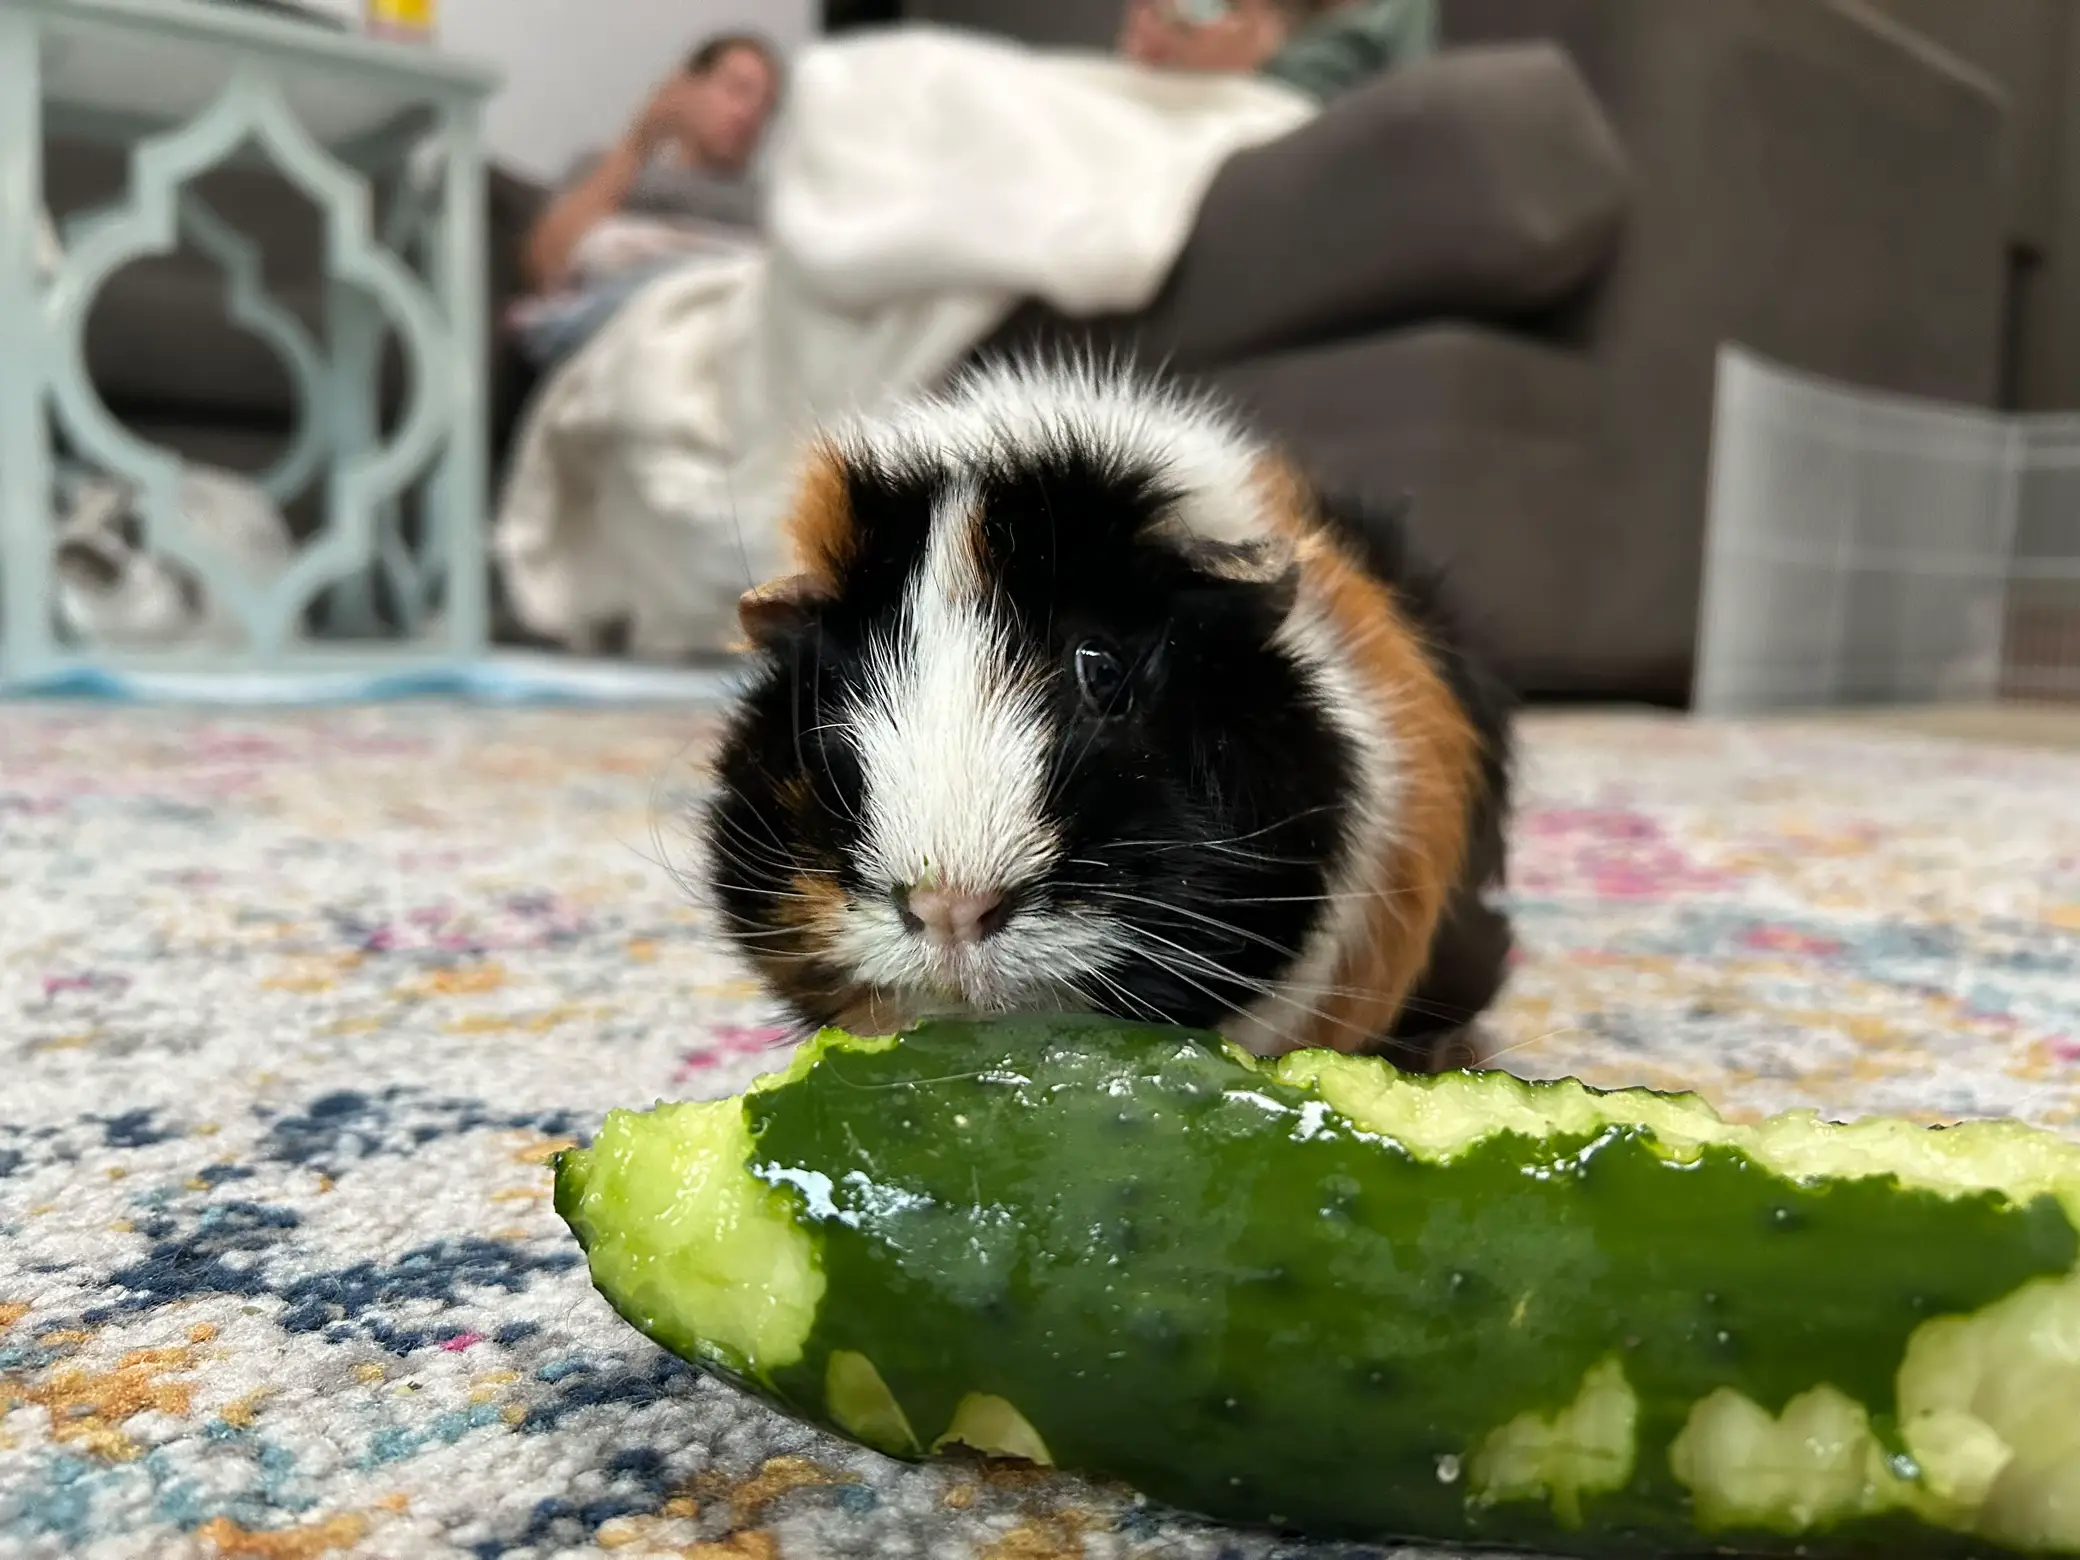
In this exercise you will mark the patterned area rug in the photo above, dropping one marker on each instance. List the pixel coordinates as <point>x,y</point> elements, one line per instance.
<point>294,1010</point>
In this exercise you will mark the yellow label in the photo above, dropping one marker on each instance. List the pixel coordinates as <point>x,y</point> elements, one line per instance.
<point>405,15</point>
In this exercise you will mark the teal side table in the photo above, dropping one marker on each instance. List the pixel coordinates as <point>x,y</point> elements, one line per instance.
<point>185,85</point>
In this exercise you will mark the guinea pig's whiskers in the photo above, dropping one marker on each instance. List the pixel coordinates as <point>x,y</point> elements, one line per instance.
<point>1263,990</point>
<point>1171,969</point>
<point>1223,843</point>
<point>1137,1007</point>
<point>1121,897</point>
<point>1532,1043</point>
<point>747,848</point>
<point>804,729</point>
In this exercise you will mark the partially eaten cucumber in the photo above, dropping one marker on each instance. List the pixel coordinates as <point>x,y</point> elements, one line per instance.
<point>1322,1295</point>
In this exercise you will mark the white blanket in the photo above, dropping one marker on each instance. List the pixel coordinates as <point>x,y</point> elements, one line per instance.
<point>924,182</point>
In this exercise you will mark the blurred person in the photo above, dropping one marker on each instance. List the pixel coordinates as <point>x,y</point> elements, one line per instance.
<point>684,163</point>
<point>1320,47</point>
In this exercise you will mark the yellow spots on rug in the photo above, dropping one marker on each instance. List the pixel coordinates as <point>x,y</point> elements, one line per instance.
<point>480,1024</point>
<point>959,1498</point>
<point>297,1543</point>
<point>72,1042</point>
<point>203,1332</point>
<point>241,1413</point>
<point>521,1194</point>
<point>555,1018</point>
<point>2065,918</point>
<point>12,1311</point>
<point>309,976</point>
<point>369,1375</point>
<point>642,950</point>
<point>485,1389</point>
<point>776,1477</point>
<point>755,1545</point>
<point>542,1152</point>
<point>88,1409</point>
<point>341,1028</point>
<point>1056,1536</point>
<point>397,1503</point>
<point>459,980</point>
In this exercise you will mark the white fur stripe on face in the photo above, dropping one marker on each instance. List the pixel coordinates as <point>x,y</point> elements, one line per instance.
<point>953,735</point>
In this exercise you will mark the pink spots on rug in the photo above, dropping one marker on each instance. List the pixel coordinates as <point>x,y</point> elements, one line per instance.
<point>1789,939</point>
<point>518,924</point>
<point>461,1341</point>
<point>726,1042</point>
<point>250,747</point>
<point>60,985</point>
<point>2066,1050</point>
<point>1608,853</point>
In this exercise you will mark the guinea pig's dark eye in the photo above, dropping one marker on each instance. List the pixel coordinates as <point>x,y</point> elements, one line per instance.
<point>1101,677</point>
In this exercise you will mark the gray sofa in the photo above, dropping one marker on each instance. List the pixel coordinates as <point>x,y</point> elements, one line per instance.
<point>1496,282</point>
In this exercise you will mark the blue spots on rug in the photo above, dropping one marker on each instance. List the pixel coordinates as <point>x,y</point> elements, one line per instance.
<point>135,1129</point>
<point>338,1130</point>
<point>60,1504</point>
<point>221,1255</point>
<point>649,1380</point>
<point>638,1482</point>
<point>350,1301</point>
<point>232,1247</point>
<point>256,1496</point>
<point>394,1443</point>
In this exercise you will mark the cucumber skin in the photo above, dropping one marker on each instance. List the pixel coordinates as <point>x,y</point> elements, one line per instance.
<point>1032,1209</point>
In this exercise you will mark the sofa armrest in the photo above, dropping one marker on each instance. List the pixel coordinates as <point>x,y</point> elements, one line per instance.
<point>1809,180</point>
<point>1482,183</point>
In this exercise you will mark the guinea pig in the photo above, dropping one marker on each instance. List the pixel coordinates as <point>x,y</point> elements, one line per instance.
<point>1081,699</point>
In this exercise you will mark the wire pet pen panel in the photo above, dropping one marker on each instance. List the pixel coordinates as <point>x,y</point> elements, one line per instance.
<point>1866,549</point>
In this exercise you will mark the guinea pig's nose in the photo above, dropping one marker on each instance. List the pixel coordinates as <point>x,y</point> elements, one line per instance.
<point>953,915</point>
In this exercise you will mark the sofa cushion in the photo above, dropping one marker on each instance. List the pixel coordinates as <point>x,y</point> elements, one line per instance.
<point>1483,183</point>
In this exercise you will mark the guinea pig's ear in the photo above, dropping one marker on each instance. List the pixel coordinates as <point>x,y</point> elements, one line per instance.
<point>771,612</point>
<point>1270,563</point>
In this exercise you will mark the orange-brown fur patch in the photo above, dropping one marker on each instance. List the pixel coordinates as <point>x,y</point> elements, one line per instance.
<point>820,526</point>
<point>1411,885</point>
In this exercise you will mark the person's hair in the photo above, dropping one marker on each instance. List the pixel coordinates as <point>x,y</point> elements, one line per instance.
<point>712,53</point>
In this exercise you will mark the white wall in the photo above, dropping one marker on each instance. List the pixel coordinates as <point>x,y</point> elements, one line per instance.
<point>577,70</point>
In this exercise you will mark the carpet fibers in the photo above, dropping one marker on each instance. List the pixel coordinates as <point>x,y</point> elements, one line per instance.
<point>293,1011</point>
